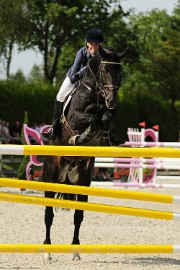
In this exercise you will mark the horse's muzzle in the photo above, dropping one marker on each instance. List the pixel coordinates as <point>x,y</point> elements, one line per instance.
<point>110,105</point>
<point>110,95</point>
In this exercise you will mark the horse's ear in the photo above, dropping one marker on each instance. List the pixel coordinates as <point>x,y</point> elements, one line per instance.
<point>102,51</point>
<point>121,55</point>
<point>106,52</point>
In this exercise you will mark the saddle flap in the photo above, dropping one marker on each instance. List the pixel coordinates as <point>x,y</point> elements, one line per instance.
<point>67,131</point>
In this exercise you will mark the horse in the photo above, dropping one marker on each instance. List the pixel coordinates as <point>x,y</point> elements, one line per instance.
<point>87,120</point>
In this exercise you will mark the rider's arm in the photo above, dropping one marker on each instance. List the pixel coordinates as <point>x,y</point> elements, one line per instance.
<point>79,62</point>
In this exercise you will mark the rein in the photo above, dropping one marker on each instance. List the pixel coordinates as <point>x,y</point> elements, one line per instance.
<point>94,76</point>
<point>113,63</point>
<point>99,84</point>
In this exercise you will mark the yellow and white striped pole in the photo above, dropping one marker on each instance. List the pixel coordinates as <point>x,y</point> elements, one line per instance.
<point>89,151</point>
<point>83,248</point>
<point>89,206</point>
<point>103,192</point>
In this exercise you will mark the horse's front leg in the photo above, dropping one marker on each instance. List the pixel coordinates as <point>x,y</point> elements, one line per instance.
<point>107,118</point>
<point>78,218</point>
<point>108,134</point>
<point>48,219</point>
<point>86,136</point>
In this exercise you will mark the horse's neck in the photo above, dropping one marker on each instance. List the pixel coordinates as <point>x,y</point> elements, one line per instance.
<point>94,63</point>
<point>92,73</point>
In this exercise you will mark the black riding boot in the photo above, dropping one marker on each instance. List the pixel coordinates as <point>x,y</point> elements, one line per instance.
<point>52,132</point>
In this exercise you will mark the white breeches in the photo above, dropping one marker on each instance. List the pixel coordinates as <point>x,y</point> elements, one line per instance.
<point>64,90</point>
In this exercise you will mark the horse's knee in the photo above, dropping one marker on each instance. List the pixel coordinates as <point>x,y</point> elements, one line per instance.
<point>90,108</point>
<point>85,137</point>
<point>94,123</point>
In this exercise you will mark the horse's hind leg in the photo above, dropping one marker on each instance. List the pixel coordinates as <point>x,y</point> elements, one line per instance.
<point>78,218</point>
<point>48,219</point>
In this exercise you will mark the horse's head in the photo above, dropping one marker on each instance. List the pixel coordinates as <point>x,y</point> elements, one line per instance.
<point>110,76</point>
<point>104,74</point>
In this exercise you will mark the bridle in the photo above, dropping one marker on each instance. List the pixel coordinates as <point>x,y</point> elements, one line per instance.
<point>107,86</point>
<point>99,84</point>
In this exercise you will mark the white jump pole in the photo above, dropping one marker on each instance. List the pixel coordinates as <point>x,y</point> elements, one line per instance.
<point>131,165</point>
<point>152,144</point>
<point>117,184</point>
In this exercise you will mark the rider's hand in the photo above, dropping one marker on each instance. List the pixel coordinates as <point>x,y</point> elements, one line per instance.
<point>81,73</point>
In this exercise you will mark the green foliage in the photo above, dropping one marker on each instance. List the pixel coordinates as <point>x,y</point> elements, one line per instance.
<point>21,172</point>
<point>151,64</point>
<point>66,60</point>
<point>18,77</point>
<point>36,75</point>
<point>26,121</point>
<point>156,69</point>
<point>12,29</point>
<point>138,107</point>
<point>133,108</point>
<point>36,99</point>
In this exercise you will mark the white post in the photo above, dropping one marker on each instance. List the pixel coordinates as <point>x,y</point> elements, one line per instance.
<point>0,162</point>
<point>134,135</point>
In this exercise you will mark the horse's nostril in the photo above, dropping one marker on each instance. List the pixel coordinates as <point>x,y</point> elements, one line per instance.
<point>110,104</point>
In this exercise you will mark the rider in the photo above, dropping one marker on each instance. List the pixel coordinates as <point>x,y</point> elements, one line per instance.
<point>93,39</point>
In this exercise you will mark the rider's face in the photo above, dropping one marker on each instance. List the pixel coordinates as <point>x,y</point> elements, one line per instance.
<point>93,48</point>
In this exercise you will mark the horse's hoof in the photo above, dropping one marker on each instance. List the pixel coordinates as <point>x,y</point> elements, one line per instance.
<point>47,257</point>
<point>94,123</point>
<point>76,257</point>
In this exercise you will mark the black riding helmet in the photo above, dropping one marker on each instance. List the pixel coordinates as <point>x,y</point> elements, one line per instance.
<point>94,35</point>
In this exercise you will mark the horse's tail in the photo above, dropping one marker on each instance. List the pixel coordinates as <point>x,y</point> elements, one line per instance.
<point>66,196</point>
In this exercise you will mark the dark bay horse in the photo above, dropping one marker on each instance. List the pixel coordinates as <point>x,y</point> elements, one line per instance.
<point>87,120</point>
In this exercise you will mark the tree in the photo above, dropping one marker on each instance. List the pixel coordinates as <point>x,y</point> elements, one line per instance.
<point>36,75</point>
<point>157,70</point>
<point>18,76</point>
<point>51,25</point>
<point>165,67</point>
<point>21,173</point>
<point>11,30</point>
<point>120,36</point>
<point>54,23</point>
